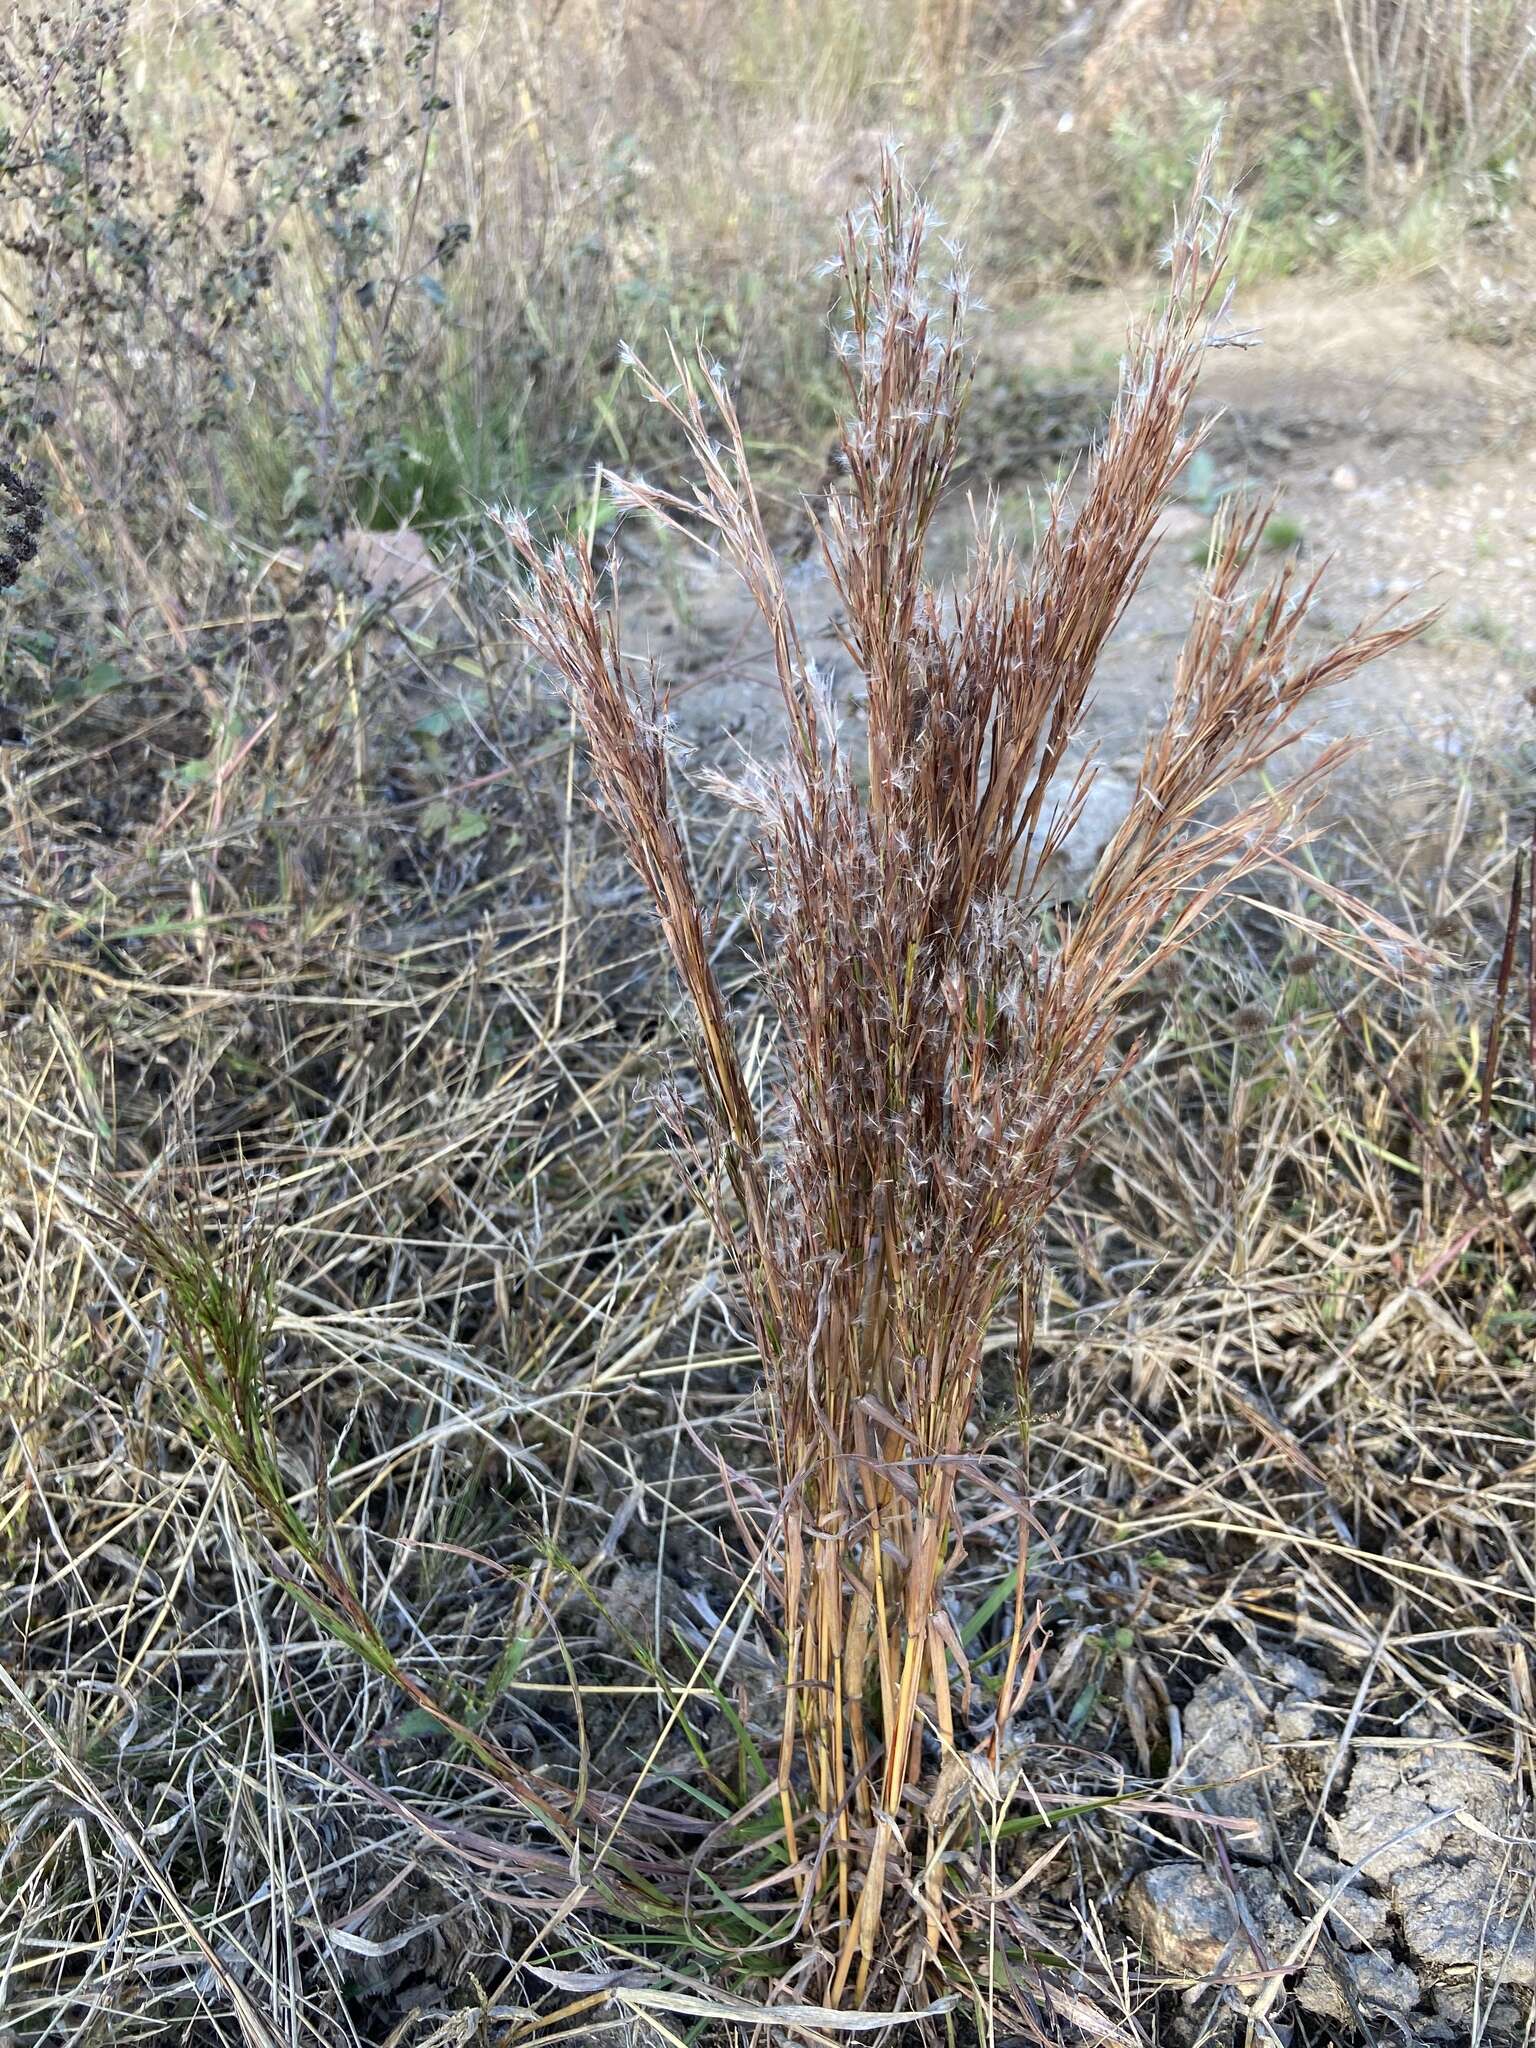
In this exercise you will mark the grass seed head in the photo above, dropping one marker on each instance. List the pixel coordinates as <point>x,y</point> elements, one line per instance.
<point>937,1058</point>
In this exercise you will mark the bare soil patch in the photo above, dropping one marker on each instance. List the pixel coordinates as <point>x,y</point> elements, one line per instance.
<point>1397,455</point>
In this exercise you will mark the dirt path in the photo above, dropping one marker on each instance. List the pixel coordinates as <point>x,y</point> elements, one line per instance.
<point>1398,451</point>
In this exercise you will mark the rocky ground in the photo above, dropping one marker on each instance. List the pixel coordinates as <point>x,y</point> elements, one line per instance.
<point>1384,1884</point>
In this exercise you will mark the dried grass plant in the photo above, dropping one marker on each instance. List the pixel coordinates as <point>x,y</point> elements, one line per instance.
<point>938,1053</point>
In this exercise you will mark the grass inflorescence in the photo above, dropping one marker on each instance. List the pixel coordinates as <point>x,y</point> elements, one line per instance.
<point>938,1052</point>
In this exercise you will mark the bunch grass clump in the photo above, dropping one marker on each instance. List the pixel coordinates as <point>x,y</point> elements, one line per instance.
<point>938,1055</point>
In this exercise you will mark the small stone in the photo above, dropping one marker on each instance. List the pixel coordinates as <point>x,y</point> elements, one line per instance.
<point>1297,1720</point>
<point>1271,1911</point>
<point>1224,1754</point>
<point>1379,1987</point>
<point>1296,1675</point>
<point>1384,1986</point>
<point>1356,1918</point>
<point>1185,1918</point>
<point>395,570</point>
<point>1104,811</point>
<point>1320,1991</point>
<point>1344,478</point>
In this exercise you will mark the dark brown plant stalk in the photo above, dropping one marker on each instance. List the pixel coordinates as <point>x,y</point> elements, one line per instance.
<point>938,1060</point>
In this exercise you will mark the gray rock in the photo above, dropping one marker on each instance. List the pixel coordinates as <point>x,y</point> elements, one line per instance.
<point>1330,1985</point>
<point>1472,2014</point>
<point>1226,1753</point>
<point>1356,1918</point>
<point>1271,1914</point>
<point>1299,1678</point>
<point>1104,811</point>
<point>1192,1927</point>
<point>395,569</point>
<point>1298,1722</point>
<point>1185,1918</point>
<point>1434,1826</point>
<point>1338,1988</point>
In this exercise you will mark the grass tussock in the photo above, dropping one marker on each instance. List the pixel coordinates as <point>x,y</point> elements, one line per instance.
<point>939,1058</point>
<point>405,1535</point>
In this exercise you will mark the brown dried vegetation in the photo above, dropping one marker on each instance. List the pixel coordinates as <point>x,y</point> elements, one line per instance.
<point>937,1057</point>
